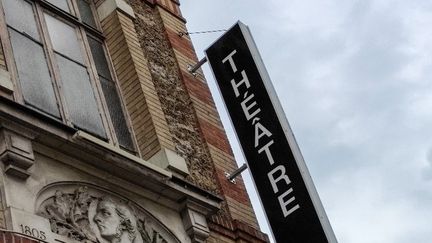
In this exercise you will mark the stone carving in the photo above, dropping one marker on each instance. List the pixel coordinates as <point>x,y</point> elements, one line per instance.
<point>68,215</point>
<point>116,223</point>
<point>100,219</point>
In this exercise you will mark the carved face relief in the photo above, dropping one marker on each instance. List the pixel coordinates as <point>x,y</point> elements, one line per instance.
<point>108,220</point>
<point>91,216</point>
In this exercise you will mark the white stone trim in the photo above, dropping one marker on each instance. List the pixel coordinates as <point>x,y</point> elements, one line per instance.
<point>168,159</point>
<point>109,6</point>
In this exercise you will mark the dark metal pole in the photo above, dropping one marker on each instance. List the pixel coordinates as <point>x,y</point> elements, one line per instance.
<point>192,69</point>
<point>237,172</point>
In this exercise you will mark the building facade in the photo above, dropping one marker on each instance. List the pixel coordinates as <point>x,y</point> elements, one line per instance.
<point>104,135</point>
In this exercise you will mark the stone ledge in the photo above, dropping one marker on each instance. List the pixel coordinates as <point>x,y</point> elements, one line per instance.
<point>80,135</point>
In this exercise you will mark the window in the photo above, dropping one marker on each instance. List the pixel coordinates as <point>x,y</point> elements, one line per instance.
<point>62,66</point>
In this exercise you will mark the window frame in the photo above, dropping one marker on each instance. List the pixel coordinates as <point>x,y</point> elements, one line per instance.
<point>83,31</point>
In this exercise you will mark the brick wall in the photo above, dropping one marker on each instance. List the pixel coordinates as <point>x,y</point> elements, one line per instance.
<point>172,6</point>
<point>171,108</point>
<point>237,201</point>
<point>10,237</point>
<point>209,122</point>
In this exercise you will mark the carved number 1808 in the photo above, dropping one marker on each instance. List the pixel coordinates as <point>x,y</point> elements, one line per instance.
<point>33,232</point>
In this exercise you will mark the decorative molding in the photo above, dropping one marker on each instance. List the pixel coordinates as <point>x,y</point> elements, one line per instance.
<point>16,152</point>
<point>195,222</point>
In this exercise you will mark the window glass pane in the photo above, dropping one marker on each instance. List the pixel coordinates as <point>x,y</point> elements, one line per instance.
<point>116,113</point>
<point>81,102</point>
<point>33,73</point>
<point>62,4</point>
<point>86,13</point>
<point>20,15</point>
<point>64,38</point>
<point>99,57</point>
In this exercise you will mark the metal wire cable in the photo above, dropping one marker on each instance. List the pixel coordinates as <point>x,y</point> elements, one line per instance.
<point>200,32</point>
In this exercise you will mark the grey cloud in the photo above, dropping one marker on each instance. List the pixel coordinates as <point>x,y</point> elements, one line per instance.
<point>427,171</point>
<point>355,83</point>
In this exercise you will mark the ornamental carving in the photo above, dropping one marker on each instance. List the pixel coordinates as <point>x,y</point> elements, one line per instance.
<point>92,216</point>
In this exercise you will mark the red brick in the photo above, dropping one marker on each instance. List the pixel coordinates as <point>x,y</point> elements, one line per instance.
<point>181,44</point>
<point>215,136</point>
<point>8,238</point>
<point>239,232</point>
<point>235,191</point>
<point>172,8</point>
<point>197,89</point>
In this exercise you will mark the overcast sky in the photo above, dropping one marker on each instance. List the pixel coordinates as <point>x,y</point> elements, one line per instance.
<point>355,81</point>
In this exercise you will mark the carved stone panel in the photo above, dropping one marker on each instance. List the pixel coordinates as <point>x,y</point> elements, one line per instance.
<point>89,215</point>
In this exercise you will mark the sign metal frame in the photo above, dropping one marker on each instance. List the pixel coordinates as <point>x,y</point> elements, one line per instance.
<point>305,175</point>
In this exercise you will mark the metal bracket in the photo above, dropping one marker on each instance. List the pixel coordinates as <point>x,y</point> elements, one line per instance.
<point>192,69</point>
<point>231,177</point>
<point>181,33</point>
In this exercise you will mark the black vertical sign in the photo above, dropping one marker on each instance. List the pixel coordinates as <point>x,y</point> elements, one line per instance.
<point>265,140</point>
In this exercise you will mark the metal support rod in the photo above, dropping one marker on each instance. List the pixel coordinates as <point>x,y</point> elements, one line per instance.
<point>192,69</point>
<point>237,172</point>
